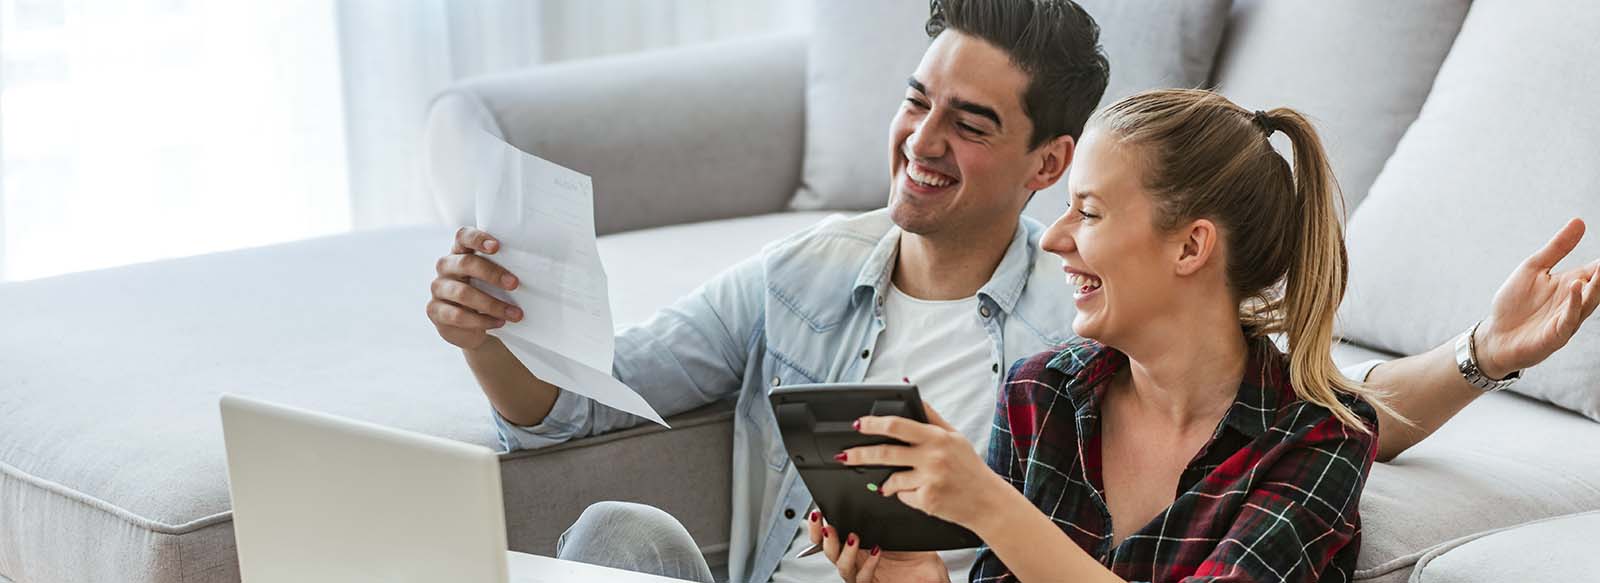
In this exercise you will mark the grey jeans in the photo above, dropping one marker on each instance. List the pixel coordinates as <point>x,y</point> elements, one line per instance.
<point>634,537</point>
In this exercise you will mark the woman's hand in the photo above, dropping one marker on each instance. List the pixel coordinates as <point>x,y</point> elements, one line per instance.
<point>858,565</point>
<point>946,478</point>
<point>1537,311</point>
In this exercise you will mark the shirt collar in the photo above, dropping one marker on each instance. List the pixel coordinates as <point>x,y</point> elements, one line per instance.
<point>1266,377</point>
<point>1088,365</point>
<point>1004,287</point>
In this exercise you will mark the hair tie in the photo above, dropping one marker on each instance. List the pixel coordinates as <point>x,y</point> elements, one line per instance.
<point>1264,121</point>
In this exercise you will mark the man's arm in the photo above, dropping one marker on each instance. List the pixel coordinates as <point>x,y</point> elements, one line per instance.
<point>1534,314</point>
<point>690,354</point>
<point>464,315</point>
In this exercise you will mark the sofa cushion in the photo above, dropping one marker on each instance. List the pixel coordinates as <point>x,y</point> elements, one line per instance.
<point>1502,155</point>
<point>861,53</point>
<point>1360,68</point>
<point>1557,549</point>
<point>111,457</point>
<point>1504,460</point>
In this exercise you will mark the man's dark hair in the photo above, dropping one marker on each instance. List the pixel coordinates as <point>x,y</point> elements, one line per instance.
<point>1054,41</point>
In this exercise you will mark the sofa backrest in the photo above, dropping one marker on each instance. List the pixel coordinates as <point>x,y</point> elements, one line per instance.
<point>1359,68</point>
<point>1501,157</point>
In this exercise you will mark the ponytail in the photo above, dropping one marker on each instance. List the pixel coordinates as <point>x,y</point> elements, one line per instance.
<point>1317,274</point>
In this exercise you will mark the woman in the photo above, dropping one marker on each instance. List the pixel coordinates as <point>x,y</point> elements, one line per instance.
<point>1174,440</point>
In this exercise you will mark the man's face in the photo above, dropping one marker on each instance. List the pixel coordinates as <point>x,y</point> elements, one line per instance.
<point>959,144</point>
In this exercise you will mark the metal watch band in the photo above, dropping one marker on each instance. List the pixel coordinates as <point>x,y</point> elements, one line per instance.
<point>1467,363</point>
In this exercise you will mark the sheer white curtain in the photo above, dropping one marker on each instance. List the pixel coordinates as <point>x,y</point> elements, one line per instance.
<point>134,130</point>
<point>139,129</point>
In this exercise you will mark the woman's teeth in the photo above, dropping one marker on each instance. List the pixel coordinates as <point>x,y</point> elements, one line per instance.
<point>927,179</point>
<point>1085,283</point>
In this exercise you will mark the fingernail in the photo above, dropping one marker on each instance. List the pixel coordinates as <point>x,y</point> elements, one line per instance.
<point>827,531</point>
<point>856,425</point>
<point>490,244</point>
<point>875,550</point>
<point>508,282</point>
<point>850,541</point>
<point>815,515</point>
<point>841,456</point>
<point>514,314</point>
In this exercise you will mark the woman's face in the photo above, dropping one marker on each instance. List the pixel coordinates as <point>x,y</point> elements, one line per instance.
<point>1120,267</point>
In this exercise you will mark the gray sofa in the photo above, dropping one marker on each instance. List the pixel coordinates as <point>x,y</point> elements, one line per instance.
<point>111,460</point>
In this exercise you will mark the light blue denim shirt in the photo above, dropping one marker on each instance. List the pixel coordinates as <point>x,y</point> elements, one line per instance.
<point>807,309</point>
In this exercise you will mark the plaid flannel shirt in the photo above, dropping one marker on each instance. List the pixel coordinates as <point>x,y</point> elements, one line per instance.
<point>1271,497</point>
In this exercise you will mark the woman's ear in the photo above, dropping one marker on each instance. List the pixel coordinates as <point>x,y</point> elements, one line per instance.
<point>1197,243</point>
<point>1056,156</point>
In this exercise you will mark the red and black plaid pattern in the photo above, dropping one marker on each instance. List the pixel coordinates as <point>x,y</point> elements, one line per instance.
<point>1271,497</point>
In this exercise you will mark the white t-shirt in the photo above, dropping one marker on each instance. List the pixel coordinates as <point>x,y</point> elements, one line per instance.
<point>943,348</point>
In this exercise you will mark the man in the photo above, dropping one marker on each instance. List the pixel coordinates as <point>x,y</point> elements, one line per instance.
<point>946,286</point>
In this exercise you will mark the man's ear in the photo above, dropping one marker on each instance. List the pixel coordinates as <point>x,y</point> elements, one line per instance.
<point>1054,158</point>
<point>1197,243</point>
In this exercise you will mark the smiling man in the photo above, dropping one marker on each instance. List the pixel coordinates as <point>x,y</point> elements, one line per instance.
<point>946,287</point>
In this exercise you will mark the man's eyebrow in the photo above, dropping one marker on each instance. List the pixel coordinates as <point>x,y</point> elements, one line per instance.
<point>977,109</point>
<point>962,104</point>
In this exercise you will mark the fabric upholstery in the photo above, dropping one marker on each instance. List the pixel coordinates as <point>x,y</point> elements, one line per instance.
<point>112,468</point>
<point>1501,157</point>
<point>1557,549</point>
<point>1504,460</point>
<point>1360,69</point>
<point>862,52</point>
<point>693,134</point>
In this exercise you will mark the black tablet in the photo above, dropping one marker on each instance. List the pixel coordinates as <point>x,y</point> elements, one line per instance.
<point>817,423</point>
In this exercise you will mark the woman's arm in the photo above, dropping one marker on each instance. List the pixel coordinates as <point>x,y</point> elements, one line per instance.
<point>1031,545</point>
<point>948,480</point>
<point>1533,315</point>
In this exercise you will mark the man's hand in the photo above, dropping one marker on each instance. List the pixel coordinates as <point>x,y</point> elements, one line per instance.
<point>464,314</point>
<point>1536,312</point>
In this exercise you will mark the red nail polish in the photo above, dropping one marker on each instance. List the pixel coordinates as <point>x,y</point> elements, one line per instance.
<point>826,530</point>
<point>906,380</point>
<point>815,515</point>
<point>840,457</point>
<point>875,550</point>
<point>856,425</point>
<point>850,541</point>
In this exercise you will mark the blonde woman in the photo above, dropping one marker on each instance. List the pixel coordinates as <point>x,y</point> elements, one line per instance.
<point>1175,440</point>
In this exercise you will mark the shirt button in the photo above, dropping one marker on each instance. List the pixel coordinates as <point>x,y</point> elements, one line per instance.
<point>983,311</point>
<point>776,381</point>
<point>865,353</point>
<point>788,513</point>
<point>995,368</point>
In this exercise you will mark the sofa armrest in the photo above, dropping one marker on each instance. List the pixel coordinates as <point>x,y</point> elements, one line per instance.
<point>706,132</point>
<point>684,471</point>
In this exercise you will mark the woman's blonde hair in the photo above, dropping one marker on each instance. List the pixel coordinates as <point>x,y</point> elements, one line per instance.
<point>1209,158</point>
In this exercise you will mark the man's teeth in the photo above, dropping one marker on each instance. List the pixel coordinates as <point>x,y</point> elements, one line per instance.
<point>927,179</point>
<point>1085,283</point>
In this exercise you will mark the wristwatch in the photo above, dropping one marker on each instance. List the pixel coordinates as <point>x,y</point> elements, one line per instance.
<point>1467,363</point>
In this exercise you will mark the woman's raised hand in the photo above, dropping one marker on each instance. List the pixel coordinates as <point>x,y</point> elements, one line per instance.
<point>873,565</point>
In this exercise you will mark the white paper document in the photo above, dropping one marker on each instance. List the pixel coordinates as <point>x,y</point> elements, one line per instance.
<point>543,216</point>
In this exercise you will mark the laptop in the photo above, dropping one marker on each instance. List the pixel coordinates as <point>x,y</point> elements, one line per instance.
<point>319,498</point>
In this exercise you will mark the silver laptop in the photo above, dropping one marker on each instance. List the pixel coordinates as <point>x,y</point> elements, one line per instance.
<point>319,498</point>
